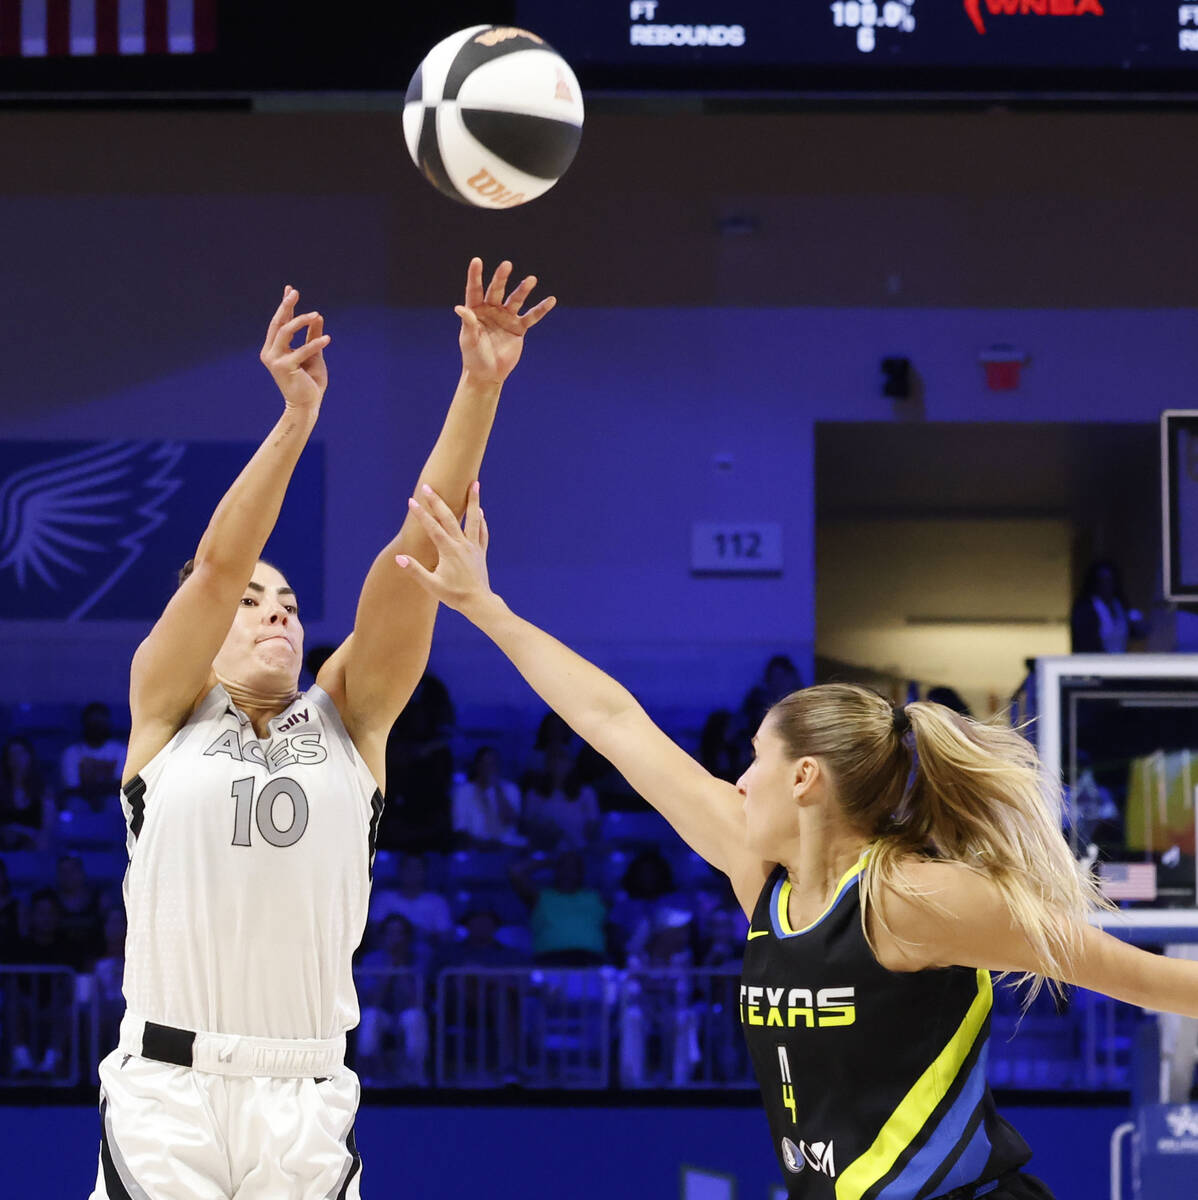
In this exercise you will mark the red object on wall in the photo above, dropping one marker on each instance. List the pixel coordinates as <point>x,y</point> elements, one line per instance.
<point>1002,363</point>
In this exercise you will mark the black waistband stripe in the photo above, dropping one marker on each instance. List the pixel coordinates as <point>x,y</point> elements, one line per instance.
<point>166,1044</point>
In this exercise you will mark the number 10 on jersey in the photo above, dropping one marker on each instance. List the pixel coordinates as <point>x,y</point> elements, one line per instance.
<point>264,812</point>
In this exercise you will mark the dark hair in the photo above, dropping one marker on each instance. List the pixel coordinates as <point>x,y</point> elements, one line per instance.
<point>718,752</point>
<point>47,894</point>
<point>37,782</point>
<point>476,761</point>
<point>655,861</point>
<point>572,784</point>
<point>950,698</point>
<point>552,728</point>
<point>186,569</point>
<point>480,910</point>
<point>1090,579</point>
<point>391,918</point>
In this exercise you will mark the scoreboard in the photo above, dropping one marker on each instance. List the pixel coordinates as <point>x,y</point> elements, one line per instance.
<point>232,51</point>
<point>1053,47</point>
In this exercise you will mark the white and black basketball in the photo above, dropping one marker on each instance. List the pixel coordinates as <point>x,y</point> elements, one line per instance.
<point>493,116</point>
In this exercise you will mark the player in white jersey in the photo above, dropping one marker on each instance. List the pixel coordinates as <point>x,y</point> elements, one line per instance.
<point>252,811</point>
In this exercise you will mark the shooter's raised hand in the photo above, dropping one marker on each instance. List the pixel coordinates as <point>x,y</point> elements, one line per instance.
<point>300,373</point>
<point>493,327</point>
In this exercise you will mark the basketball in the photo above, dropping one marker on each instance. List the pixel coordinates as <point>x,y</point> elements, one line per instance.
<point>493,116</point>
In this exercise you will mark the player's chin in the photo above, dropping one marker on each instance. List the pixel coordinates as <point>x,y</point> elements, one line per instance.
<point>278,659</point>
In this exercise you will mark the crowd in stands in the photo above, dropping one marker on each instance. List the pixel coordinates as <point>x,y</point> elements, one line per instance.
<point>486,858</point>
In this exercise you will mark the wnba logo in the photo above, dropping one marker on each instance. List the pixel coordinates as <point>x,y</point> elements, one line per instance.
<point>1031,8</point>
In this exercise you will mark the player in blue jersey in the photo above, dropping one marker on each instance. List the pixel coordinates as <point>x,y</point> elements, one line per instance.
<point>889,860</point>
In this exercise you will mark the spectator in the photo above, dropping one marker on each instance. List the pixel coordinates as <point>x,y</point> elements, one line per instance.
<point>79,912</point>
<point>27,810</point>
<point>780,678</point>
<point>552,734</point>
<point>426,911</point>
<point>42,1005</point>
<point>567,919</point>
<point>950,698</point>
<point>420,773</point>
<point>1101,621</point>
<point>10,917</point>
<point>91,769</point>
<point>486,808</point>
<point>488,1004</point>
<point>610,787</point>
<point>560,811</point>
<point>393,1034</point>
<point>480,947</point>
<point>723,947</point>
<point>659,1020</point>
<point>648,893</point>
<point>720,750</point>
<point>1093,811</point>
<point>109,976</point>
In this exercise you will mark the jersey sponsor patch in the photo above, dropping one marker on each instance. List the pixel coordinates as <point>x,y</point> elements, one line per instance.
<point>792,1156</point>
<point>819,1156</point>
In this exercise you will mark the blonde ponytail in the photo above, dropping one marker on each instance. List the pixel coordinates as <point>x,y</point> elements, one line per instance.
<point>951,789</point>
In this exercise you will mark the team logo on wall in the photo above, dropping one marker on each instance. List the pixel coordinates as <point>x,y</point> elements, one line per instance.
<point>97,530</point>
<point>71,524</point>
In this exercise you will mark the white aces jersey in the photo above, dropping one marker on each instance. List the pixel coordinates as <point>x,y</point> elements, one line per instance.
<point>249,873</point>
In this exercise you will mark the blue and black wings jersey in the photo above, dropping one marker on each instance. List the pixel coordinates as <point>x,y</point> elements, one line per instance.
<point>874,1081</point>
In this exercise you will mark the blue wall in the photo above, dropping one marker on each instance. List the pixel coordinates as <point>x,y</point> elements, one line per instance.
<point>586,1153</point>
<point>602,457</point>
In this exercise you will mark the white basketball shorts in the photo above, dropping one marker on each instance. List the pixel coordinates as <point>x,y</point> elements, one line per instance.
<point>179,1133</point>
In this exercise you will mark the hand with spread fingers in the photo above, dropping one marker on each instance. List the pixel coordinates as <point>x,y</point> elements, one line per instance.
<point>300,372</point>
<point>460,579</point>
<point>493,328</point>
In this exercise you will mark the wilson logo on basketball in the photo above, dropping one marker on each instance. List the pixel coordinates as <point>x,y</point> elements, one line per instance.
<point>493,37</point>
<point>485,184</point>
<point>1030,8</point>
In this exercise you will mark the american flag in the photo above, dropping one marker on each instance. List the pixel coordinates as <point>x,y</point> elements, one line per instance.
<point>85,28</point>
<point>1128,881</point>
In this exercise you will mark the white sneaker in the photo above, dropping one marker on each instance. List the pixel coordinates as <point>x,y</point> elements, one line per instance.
<point>22,1060</point>
<point>50,1062</point>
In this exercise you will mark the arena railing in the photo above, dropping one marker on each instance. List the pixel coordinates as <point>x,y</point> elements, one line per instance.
<point>45,1028</point>
<point>537,1027</point>
<point>679,1027</point>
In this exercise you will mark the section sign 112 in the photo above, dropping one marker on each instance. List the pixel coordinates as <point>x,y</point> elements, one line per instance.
<point>736,548</point>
